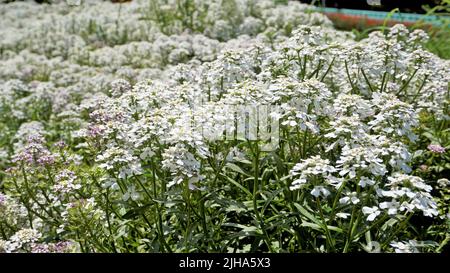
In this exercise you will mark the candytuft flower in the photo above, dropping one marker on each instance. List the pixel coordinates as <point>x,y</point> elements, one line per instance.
<point>436,148</point>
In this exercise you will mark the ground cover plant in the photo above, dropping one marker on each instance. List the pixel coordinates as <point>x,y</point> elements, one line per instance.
<point>121,131</point>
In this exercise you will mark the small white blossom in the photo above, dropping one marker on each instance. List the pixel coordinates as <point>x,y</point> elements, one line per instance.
<point>373,212</point>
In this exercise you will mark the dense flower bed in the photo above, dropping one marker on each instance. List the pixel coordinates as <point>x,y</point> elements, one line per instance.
<point>106,142</point>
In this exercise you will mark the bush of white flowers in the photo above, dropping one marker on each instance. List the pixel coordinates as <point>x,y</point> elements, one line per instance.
<point>145,127</point>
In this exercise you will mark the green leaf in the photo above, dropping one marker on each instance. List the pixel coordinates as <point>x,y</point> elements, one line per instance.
<point>244,161</point>
<point>271,197</point>
<point>237,184</point>
<point>245,230</point>
<point>134,213</point>
<point>235,208</point>
<point>321,227</point>
<point>429,136</point>
<point>236,168</point>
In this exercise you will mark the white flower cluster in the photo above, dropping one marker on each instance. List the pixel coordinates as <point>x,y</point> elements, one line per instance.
<point>12,213</point>
<point>21,241</point>
<point>309,168</point>
<point>367,128</point>
<point>408,193</point>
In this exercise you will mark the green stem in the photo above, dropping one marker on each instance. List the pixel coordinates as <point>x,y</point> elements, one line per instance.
<point>338,194</point>
<point>328,70</point>
<point>2,231</point>
<point>420,89</point>
<point>203,215</point>
<point>108,221</point>
<point>349,78</point>
<point>407,82</point>
<point>31,195</point>
<point>325,226</point>
<point>367,81</point>
<point>353,225</point>
<point>255,193</point>
<point>441,246</point>
<point>159,213</point>
<point>188,208</point>
<point>399,229</point>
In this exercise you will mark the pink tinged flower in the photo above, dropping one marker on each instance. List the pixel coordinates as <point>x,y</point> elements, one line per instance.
<point>24,156</point>
<point>2,199</point>
<point>10,170</point>
<point>436,148</point>
<point>71,205</point>
<point>60,144</point>
<point>61,247</point>
<point>66,175</point>
<point>35,139</point>
<point>40,248</point>
<point>95,131</point>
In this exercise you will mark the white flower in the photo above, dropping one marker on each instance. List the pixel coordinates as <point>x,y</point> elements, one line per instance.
<point>364,181</point>
<point>405,247</point>
<point>131,193</point>
<point>373,212</point>
<point>351,197</point>
<point>443,182</point>
<point>146,153</point>
<point>309,168</point>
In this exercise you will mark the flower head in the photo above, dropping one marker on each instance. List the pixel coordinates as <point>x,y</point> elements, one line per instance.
<point>436,148</point>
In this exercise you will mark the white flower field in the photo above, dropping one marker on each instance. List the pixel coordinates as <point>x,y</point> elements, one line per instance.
<point>218,126</point>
